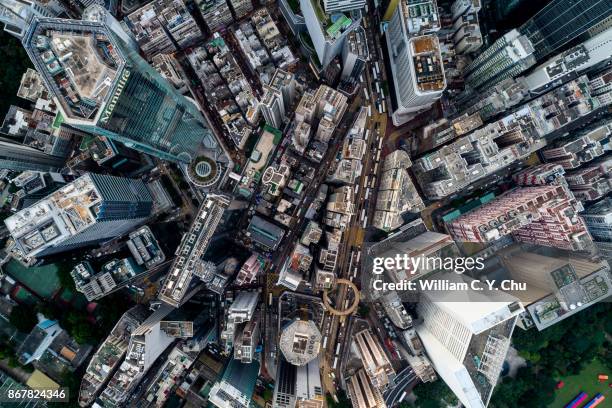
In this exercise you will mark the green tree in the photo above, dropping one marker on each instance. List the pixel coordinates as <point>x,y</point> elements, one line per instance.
<point>23,318</point>
<point>434,395</point>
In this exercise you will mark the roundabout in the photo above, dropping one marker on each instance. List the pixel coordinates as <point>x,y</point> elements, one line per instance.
<point>350,309</point>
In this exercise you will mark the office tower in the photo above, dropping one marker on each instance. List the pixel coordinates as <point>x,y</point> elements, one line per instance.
<point>507,57</point>
<point>395,310</point>
<point>375,361</point>
<point>90,210</point>
<point>216,13</point>
<point>456,334</point>
<point>562,21</point>
<point>598,219</point>
<point>161,26</point>
<point>104,87</point>
<point>354,55</point>
<point>15,14</point>
<point>555,287</point>
<point>278,98</point>
<point>544,215</point>
<point>300,342</point>
<point>361,392</point>
<point>18,157</point>
<point>264,233</point>
<point>414,58</point>
<point>397,195</point>
<point>327,34</point>
<point>298,386</point>
<point>333,6</point>
<point>236,386</point>
<point>241,311</point>
<point>191,249</point>
<point>590,54</point>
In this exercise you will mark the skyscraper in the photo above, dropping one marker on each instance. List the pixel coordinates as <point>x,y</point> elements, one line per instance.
<point>467,341</point>
<point>236,386</point>
<point>18,157</point>
<point>414,58</point>
<point>328,34</point>
<point>91,209</point>
<point>505,58</point>
<point>562,21</point>
<point>103,86</point>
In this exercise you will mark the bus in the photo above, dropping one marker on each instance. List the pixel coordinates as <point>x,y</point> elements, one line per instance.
<point>369,113</point>
<point>376,168</point>
<point>378,157</point>
<point>380,143</point>
<point>362,215</point>
<point>365,94</point>
<point>365,222</point>
<point>335,363</point>
<point>377,88</point>
<point>384,106</point>
<point>367,194</point>
<point>324,341</point>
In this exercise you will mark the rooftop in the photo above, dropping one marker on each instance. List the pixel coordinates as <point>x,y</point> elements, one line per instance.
<point>300,342</point>
<point>79,62</point>
<point>66,212</point>
<point>427,63</point>
<point>193,246</point>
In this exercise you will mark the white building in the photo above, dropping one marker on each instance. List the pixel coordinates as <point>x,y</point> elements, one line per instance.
<point>467,341</point>
<point>332,6</point>
<point>415,59</point>
<point>327,37</point>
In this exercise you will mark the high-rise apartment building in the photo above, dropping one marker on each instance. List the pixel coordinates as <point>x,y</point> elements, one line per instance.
<point>216,13</point>
<point>562,21</point>
<point>104,87</point>
<point>414,58</point>
<point>278,97</point>
<point>241,7</point>
<point>544,215</point>
<point>505,58</point>
<point>397,194</point>
<point>375,361</point>
<point>598,219</point>
<point>456,334</point>
<point>241,311</point>
<point>162,25</point>
<point>91,209</point>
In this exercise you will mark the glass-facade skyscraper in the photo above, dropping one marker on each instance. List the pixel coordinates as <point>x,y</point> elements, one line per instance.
<point>562,21</point>
<point>105,87</point>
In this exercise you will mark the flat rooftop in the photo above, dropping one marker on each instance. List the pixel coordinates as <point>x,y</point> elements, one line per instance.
<point>66,212</point>
<point>427,61</point>
<point>193,246</point>
<point>78,61</point>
